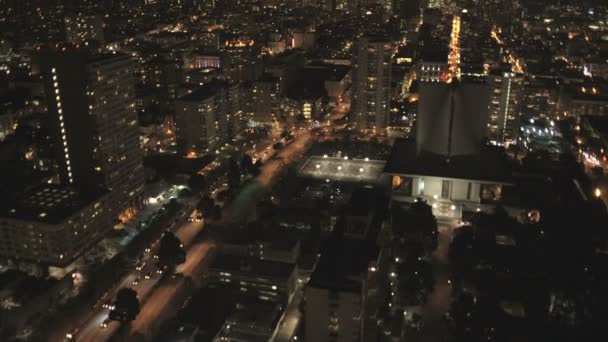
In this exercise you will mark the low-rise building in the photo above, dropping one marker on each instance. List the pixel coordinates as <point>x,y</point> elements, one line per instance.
<point>262,279</point>
<point>51,226</point>
<point>250,322</point>
<point>345,292</point>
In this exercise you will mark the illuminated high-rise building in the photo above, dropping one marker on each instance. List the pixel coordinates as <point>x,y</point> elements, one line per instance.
<point>371,83</point>
<point>91,101</point>
<point>504,107</point>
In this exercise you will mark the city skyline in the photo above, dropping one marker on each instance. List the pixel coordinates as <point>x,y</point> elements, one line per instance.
<point>303,170</point>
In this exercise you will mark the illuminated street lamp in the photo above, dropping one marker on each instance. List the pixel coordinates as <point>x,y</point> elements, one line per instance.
<point>597,193</point>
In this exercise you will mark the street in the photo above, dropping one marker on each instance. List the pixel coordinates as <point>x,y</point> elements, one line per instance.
<point>244,203</point>
<point>159,297</point>
<point>91,329</point>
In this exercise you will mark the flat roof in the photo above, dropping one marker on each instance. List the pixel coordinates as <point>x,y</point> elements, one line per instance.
<point>253,267</point>
<point>262,315</point>
<point>490,165</point>
<point>340,169</point>
<point>204,92</point>
<point>48,203</point>
<point>344,259</point>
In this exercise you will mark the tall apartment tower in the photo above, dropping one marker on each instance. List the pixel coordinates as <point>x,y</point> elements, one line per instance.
<point>91,101</point>
<point>371,83</point>
<point>209,116</point>
<point>504,107</point>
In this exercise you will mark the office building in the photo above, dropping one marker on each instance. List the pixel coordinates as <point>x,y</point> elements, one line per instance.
<point>371,83</point>
<point>91,100</point>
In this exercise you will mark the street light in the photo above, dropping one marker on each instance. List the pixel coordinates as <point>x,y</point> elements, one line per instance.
<point>597,192</point>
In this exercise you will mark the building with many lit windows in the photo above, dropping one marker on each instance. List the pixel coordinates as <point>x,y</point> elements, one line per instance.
<point>209,116</point>
<point>371,83</point>
<point>503,122</point>
<point>50,226</point>
<point>254,278</point>
<point>265,100</point>
<point>80,28</point>
<point>91,101</point>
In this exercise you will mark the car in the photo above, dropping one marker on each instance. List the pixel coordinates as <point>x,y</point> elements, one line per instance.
<point>149,275</point>
<point>104,324</point>
<point>135,281</point>
<point>140,266</point>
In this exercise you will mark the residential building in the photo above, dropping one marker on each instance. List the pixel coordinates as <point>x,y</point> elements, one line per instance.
<point>371,83</point>
<point>209,116</point>
<point>507,89</point>
<point>91,101</point>
<point>84,27</point>
<point>266,100</point>
<point>50,226</point>
<point>251,277</point>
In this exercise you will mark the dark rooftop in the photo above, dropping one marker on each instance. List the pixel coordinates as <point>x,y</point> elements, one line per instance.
<point>344,259</point>
<point>48,203</point>
<point>599,123</point>
<point>204,92</point>
<point>490,165</point>
<point>253,267</point>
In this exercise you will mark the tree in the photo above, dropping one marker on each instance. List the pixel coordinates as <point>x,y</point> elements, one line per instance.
<point>217,212</point>
<point>255,171</point>
<point>197,183</point>
<point>247,163</point>
<point>461,252</point>
<point>205,205</point>
<point>170,252</point>
<point>185,192</point>
<point>422,223</point>
<point>126,306</point>
<point>234,175</point>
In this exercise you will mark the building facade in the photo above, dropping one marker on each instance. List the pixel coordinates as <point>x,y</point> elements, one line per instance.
<point>91,100</point>
<point>507,88</point>
<point>209,116</point>
<point>51,226</point>
<point>371,83</point>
